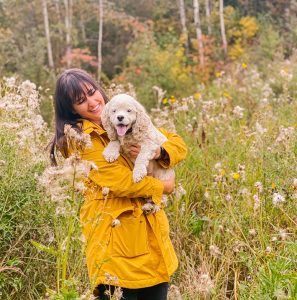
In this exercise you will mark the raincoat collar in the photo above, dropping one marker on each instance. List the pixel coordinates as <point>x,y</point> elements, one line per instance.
<point>88,127</point>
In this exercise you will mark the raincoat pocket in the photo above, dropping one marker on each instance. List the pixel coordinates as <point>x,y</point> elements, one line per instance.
<point>129,239</point>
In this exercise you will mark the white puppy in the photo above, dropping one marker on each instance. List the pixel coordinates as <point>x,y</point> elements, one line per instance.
<point>127,123</point>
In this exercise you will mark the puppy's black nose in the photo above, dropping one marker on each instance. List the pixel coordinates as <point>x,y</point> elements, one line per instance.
<point>120,118</point>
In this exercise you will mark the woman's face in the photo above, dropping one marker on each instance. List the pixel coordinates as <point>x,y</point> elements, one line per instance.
<point>90,105</point>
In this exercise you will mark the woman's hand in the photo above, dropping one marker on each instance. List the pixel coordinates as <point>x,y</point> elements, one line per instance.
<point>135,149</point>
<point>169,185</point>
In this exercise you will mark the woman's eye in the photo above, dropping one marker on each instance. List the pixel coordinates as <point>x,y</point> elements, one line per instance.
<point>91,92</point>
<point>81,100</point>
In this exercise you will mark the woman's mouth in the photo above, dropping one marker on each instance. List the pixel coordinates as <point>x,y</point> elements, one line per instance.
<point>96,108</point>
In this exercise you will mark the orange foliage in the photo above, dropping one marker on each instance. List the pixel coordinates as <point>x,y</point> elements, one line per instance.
<point>78,56</point>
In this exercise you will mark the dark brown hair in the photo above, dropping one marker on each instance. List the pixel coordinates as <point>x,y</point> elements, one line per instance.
<point>70,87</point>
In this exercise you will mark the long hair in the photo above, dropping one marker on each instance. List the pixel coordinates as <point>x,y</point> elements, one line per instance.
<point>70,87</point>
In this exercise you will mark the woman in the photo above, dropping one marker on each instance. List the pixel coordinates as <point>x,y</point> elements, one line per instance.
<point>125,248</point>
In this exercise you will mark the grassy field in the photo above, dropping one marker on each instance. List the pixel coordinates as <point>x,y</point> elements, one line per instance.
<point>233,214</point>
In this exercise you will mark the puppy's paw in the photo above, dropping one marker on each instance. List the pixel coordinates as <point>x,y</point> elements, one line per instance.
<point>139,172</point>
<point>110,156</point>
<point>111,151</point>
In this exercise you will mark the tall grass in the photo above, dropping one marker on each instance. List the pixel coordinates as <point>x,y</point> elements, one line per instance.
<point>233,214</point>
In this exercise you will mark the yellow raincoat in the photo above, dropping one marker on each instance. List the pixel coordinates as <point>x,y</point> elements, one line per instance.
<point>136,253</point>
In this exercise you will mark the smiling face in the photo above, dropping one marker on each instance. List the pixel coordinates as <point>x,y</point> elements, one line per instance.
<point>122,113</point>
<point>90,104</point>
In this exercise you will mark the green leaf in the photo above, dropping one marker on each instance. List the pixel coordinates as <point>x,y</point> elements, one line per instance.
<point>49,250</point>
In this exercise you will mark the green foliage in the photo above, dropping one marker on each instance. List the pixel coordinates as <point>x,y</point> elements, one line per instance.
<point>153,66</point>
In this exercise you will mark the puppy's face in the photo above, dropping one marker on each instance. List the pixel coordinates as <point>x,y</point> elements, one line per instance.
<point>122,113</point>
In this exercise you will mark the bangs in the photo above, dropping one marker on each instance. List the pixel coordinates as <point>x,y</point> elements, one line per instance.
<point>77,88</point>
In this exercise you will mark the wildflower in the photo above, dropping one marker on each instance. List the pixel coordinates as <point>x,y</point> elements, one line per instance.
<point>237,246</point>
<point>285,136</point>
<point>260,129</point>
<point>115,223</point>
<point>221,228</point>
<point>226,94</point>
<point>236,176</point>
<point>182,208</point>
<point>283,234</point>
<point>218,165</point>
<point>244,65</point>
<point>174,292</point>
<point>110,279</point>
<point>214,250</point>
<point>274,239</point>
<point>280,294</point>
<point>252,232</point>
<point>258,185</point>
<point>244,192</point>
<point>180,191</point>
<point>268,249</point>
<point>256,202</point>
<point>273,185</point>
<point>206,195</point>
<point>205,284</point>
<point>172,99</point>
<point>294,182</point>
<point>150,208</point>
<point>197,96</point>
<point>2,162</point>
<point>118,293</point>
<point>105,191</point>
<point>218,74</point>
<point>238,112</point>
<point>277,199</point>
<point>82,238</point>
<point>228,197</point>
<point>165,101</point>
<point>10,81</point>
<point>27,88</point>
<point>80,187</point>
<point>77,140</point>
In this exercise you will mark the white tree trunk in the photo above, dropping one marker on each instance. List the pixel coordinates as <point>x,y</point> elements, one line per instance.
<point>68,25</point>
<point>198,31</point>
<point>47,35</point>
<point>58,12</point>
<point>182,13</point>
<point>207,11</point>
<point>100,39</point>
<point>222,24</point>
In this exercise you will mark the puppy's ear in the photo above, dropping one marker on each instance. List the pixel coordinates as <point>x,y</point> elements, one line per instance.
<point>106,123</point>
<point>143,121</point>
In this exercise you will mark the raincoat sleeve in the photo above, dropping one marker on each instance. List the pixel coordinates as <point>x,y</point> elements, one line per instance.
<point>118,178</point>
<point>175,148</point>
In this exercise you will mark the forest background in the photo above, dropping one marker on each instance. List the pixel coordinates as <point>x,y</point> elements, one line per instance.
<point>223,74</point>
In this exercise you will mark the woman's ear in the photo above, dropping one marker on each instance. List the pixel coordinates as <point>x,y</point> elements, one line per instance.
<point>106,123</point>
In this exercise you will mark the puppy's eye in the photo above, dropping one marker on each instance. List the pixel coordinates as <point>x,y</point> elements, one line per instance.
<point>113,110</point>
<point>129,110</point>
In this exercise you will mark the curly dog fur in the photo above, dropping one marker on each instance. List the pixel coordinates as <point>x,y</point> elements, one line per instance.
<point>126,122</point>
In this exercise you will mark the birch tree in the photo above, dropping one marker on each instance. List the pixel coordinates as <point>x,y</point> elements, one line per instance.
<point>100,38</point>
<point>182,14</point>
<point>68,27</point>
<point>222,25</point>
<point>47,35</point>
<point>58,13</point>
<point>207,11</point>
<point>198,31</point>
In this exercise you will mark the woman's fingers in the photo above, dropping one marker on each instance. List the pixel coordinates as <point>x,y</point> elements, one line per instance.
<point>134,150</point>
